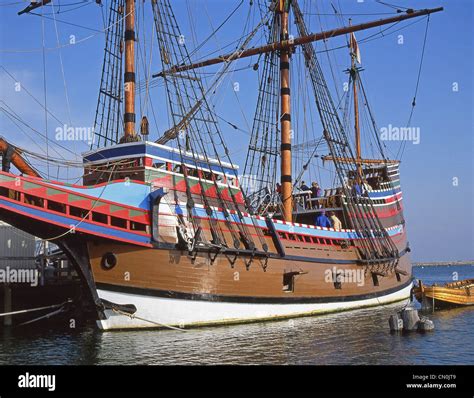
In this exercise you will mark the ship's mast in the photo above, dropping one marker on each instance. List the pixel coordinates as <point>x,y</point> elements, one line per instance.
<point>354,75</point>
<point>285,117</point>
<point>129,76</point>
<point>356,123</point>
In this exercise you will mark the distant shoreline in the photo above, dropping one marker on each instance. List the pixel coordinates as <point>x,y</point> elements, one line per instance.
<point>441,263</point>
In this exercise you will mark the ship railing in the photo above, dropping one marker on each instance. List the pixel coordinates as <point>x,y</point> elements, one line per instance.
<point>304,201</point>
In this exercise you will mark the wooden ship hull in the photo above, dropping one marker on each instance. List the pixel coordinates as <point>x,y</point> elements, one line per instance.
<point>453,294</point>
<point>135,255</point>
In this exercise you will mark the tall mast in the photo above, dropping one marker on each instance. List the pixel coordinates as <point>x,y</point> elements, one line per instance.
<point>285,117</point>
<point>356,123</point>
<point>354,75</point>
<point>129,76</point>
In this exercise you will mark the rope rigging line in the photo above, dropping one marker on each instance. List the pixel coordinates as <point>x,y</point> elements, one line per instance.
<point>72,230</point>
<point>53,18</point>
<point>401,149</point>
<point>146,82</point>
<point>34,309</point>
<point>377,35</point>
<point>245,34</point>
<point>108,115</point>
<point>133,316</point>
<point>79,4</point>
<point>214,31</point>
<point>201,128</point>
<point>31,95</point>
<point>395,7</point>
<point>241,225</point>
<point>377,250</point>
<point>45,93</point>
<point>69,44</point>
<point>261,163</point>
<point>68,107</point>
<point>165,31</point>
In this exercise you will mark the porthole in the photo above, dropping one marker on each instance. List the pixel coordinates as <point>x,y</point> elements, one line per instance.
<point>109,261</point>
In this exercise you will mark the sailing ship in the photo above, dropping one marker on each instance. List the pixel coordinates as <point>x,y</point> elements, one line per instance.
<point>166,233</point>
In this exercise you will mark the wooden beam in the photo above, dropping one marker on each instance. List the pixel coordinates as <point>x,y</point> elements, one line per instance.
<point>400,271</point>
<point>33,6</point>
<point>15,157</point>
<point>287,44</point>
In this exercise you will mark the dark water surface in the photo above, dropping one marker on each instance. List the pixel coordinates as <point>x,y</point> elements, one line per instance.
<point>356,337</point>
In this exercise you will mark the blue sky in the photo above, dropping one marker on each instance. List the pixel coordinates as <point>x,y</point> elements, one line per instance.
<point>439,213</point>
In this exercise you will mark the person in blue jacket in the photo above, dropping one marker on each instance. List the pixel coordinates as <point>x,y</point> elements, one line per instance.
<point>322,220</point>
<point>357,189</point>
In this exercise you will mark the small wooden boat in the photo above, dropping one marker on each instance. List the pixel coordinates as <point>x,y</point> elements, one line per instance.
<point>460,293</point>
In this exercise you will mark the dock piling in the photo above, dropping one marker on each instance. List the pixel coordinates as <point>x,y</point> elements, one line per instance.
<point>7,305</point>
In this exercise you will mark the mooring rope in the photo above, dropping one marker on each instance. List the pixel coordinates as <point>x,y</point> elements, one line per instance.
<point>34,309</point>
<point>132,316</point>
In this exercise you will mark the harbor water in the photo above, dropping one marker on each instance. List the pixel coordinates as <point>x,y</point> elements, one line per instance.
<point>352,338</point>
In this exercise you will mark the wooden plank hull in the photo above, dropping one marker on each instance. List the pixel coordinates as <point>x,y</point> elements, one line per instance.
<point>315,270</point>
<point>174,288</point>
<point>177,271</point>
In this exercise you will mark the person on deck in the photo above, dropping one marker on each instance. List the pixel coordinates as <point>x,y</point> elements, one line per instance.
<point>366,186</point>
<point>336,223</point>
<point>322,220</point>
<point>356,189</point>
<point>315,193</point>
<point>304,187</point>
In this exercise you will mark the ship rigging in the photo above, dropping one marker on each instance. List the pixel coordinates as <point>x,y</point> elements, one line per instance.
<point>173,210</point>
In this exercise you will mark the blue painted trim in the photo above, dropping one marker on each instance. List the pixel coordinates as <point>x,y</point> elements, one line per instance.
<point>143,150</point>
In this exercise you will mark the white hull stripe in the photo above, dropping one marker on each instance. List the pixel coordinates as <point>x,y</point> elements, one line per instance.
<point>154,311</point>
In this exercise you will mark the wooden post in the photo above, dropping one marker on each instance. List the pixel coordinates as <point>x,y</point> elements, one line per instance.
<point>7,304</point>
<point>129,76</point>
<point>285,117</point>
